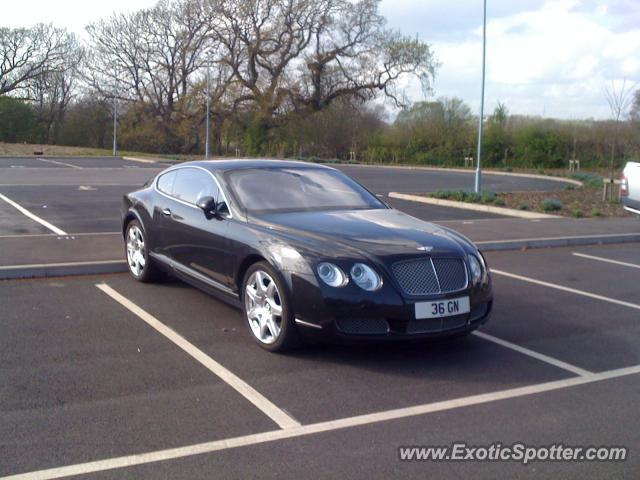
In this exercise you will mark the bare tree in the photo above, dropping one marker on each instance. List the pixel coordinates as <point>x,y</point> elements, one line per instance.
<point>634,113</point>
<point>619,100</point>
<point>151,55</point>
<point>259,41</point>
<point>352,53</point>
<point>304,54</point>
<point>52,91</point>
<point>28,53</point>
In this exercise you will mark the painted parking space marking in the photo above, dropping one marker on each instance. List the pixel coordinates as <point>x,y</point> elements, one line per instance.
<point>98,184</point>
<point>61,264</point>
<point>567,289</point>
<point>320,427</point>
<point>279,416</point>
<point>531,353</point>
<point>56,162</point>
<point>607,260</point>
<point>32,216</point>
<point>65,236</point>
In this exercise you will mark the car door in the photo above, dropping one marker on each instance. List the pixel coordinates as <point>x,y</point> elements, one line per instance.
<point>194,241</point>
<point>164,186</point>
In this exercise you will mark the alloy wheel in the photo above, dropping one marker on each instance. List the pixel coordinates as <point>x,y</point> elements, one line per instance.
<point>135,250</point>
<point>263,307</point>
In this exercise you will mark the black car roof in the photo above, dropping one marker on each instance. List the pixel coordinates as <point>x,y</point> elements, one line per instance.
<point>238,164</point>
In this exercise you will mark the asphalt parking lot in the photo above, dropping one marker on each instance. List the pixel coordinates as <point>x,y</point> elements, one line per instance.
<point>83,195</point>
<point>104,377</point>
<point>88,380</point>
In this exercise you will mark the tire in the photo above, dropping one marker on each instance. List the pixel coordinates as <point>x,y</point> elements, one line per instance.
<point>136,248</point>
<point>266,310</point>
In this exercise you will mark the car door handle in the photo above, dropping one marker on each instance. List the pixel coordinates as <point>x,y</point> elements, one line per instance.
<point>166,212</point>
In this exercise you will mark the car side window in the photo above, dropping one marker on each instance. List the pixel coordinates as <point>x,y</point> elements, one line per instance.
<point>192,183</point>
<point>165,182</point>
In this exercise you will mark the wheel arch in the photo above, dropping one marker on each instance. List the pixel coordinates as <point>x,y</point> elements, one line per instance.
<point>128,217</point>
<point>246,263</point>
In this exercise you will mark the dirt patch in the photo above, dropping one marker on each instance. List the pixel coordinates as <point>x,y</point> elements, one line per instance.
<point>577,203</point>
<point>26,149</point>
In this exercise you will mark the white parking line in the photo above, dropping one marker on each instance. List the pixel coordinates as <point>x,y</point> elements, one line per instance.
<point>531,353</point>
<point>36,218</point>
<point>141,160</point>
<point>567,289</point>
<point>608,260</point>
<point>283,419</point>
<point>48,160</point>
<point>46,183</point>
<point>320,427</point>
<point>62,264</point>
<point>65,236</point>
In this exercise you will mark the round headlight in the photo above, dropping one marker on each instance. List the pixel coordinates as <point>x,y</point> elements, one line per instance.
<point>365,277</point>
<point>331,274</point>
<point>476,269</point>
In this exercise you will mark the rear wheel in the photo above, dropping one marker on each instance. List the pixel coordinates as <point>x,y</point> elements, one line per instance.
<point>267,309</point>
<point>140,265</point>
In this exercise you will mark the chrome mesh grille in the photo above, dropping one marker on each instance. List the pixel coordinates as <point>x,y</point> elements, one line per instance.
<point>416,277</point>
<point>424,276</point>
<point>363,326</point>
<point>451,274</point>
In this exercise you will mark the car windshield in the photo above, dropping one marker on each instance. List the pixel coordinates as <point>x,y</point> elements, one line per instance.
<point>270,190</point>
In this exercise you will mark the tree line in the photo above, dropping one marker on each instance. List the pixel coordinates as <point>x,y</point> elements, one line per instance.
<point>288,78</point>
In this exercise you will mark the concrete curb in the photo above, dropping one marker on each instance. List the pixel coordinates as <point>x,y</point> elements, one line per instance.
<point>11,272</point>
<point>478,207</point>
<point>549,242</point>
<point>409,167</point>
<point>141,160</point>
<point>465,170</point>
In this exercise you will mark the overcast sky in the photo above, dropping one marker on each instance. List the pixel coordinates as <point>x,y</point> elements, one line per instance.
<point>551,58</point>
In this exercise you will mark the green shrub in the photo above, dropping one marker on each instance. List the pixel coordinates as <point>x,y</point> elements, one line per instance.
<point>596,213</point>
<point>16,120</point>
<point>589,180</point>
<point>488,197</point>
<point>458,196</point>
<point>551,205</point>
<point>524,206</point>
<point>541,146</point>
<point>576,211</point>
<point>499,202</point>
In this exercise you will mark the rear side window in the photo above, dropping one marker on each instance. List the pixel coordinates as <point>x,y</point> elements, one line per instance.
<point>192,183</point>
<point>165,182</point>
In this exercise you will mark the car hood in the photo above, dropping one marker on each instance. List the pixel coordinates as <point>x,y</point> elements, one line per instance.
<point>380,232</point>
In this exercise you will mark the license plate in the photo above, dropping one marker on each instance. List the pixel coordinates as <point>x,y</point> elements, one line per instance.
<point>442,308</point>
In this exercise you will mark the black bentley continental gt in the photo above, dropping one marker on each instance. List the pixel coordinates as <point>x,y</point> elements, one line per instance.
<point>306,252</point>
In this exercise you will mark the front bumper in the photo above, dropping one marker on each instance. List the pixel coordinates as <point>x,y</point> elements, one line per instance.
<point>631,205</point>
<point>352,314</point>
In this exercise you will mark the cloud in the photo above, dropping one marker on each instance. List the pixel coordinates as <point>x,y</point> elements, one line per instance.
<point>552,59</point>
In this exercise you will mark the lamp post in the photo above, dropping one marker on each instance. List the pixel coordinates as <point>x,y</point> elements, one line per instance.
<point>115,112</point>
<point>115,125</point>
<point>481,120</point>
<point>206,145</point>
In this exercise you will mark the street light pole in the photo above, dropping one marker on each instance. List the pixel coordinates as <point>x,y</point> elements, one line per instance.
<point>115,116</point>
<point>481,120</point>
<point>206,145</point>
<point>115,123</point>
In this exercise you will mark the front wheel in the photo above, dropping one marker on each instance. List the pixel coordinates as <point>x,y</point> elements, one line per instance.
<point>266,309</point>
<point>140,265</point>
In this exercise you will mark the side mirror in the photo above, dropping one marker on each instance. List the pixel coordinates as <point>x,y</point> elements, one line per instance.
<point>208,205</point>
